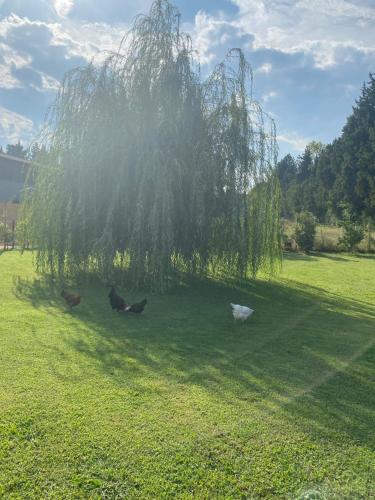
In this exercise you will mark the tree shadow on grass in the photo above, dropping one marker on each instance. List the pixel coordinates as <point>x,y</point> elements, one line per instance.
<point>299,256</point>
<point>335,257</point>
<point>39,291</point>
<point>312,257</point>
<point>304,353</point>
<point>42,292</point>
<point>305,356</point>
<point>365,256</point>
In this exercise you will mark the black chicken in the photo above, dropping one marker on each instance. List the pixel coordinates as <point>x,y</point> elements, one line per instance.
<point>137,308</point>
<point>116,301</point>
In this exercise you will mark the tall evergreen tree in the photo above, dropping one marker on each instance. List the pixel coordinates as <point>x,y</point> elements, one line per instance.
<point>286,171</point>
<point>340,175</point>
<point>355,180</point>
<point>298,181</point>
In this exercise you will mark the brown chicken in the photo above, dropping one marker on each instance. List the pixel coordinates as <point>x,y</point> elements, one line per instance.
<point>71,299</point>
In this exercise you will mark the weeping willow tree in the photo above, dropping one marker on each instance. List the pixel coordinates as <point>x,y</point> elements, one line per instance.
<point>148,169</point>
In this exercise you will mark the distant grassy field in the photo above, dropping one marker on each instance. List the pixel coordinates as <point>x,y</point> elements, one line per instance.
<point>182,402</point>
<point>327,237</point>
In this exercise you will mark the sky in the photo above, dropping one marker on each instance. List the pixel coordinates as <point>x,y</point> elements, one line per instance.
<point>310,58</point>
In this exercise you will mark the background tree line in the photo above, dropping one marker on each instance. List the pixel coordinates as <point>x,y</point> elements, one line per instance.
<point>19,151</point>
<point>336,181</point>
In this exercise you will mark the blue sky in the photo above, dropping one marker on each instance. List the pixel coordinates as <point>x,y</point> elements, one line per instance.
<point>309,57</point>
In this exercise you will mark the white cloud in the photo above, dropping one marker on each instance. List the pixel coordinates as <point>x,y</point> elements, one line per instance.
<point>325,29</point>
<point>319,27</point>
<point>14,126</point>
<point>269,95</point>
<point>88,39</point>
<point>10,59</point>
<point>33,52</point>
<point>63,7</point>
<point>7,80</point>
<point>79,39</point>
<point>209,33</point>
<point>25,44</point>
<point>265,68</point>
<point>293,139</point>
<point>47,83</point>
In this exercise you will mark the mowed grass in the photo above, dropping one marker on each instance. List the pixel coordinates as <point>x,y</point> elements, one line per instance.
<point>182,402</point>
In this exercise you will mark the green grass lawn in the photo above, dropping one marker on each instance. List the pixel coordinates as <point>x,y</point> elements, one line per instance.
<point>182,402</point>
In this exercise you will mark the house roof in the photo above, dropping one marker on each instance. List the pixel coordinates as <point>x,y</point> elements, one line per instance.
<point>22,161</point>
<point>13,172</point>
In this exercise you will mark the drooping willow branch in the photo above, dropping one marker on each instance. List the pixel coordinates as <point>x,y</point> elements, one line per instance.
<point>150,170</point>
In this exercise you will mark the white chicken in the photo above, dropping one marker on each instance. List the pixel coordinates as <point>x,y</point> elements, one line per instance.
<point>241,312</point>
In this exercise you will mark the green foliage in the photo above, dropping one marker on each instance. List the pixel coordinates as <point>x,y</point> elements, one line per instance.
<point>22,233</point>
<point>305,231</point>
<point>355,180</point>
<point>5,233</point>
<point>35,151</point>
<point>286,171</point>
<point>353,232</point>
<point>16,150</point>
<point>300,183</point>
<point>341,172</point>
<point>149,170</point>
<point>326,238</point>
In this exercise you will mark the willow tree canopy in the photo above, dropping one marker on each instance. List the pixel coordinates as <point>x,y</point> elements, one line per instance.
<point>150,170</point>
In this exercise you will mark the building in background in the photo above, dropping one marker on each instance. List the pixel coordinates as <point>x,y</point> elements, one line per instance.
<point>13,172</point>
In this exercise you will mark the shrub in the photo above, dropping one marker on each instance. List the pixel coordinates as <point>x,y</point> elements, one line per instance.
<point>5,234</point>
<point>353,231</point>
<point>305,231</point>
<point>22,236</point>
